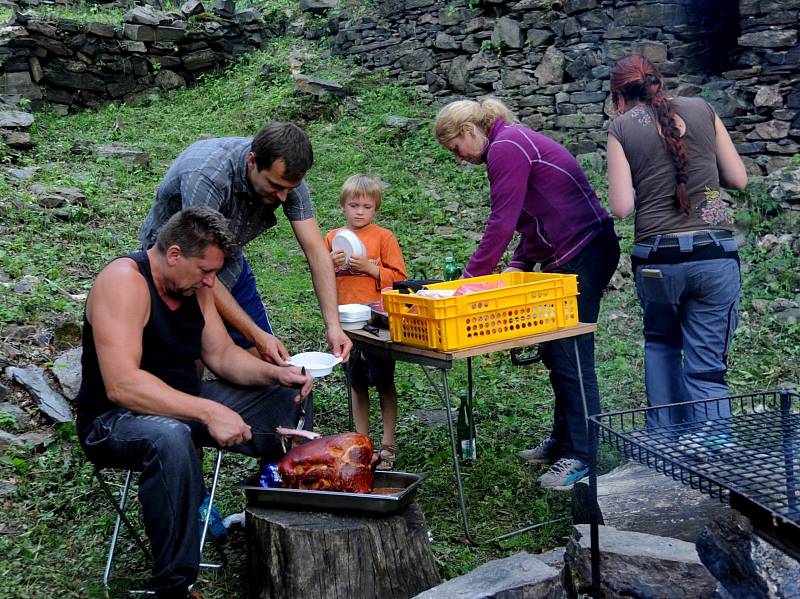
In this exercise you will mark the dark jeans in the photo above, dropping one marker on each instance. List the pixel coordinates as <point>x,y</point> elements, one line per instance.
<point>594,265</point>
<point>171,485</point>
<point>247,296</point>
<point>690,313</point>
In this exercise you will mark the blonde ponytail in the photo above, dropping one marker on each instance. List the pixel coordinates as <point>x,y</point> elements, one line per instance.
<point>482,113</point>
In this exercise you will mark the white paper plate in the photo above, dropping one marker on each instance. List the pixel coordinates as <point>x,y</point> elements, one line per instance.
<point>354,312</point>
<point>349,243</point>
<point>354,325</point>
<point>316,363</point>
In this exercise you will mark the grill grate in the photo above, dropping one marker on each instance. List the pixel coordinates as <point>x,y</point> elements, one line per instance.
<point>750,459</point>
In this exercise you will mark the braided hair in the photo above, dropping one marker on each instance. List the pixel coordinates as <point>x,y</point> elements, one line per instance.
<point>637,80</point>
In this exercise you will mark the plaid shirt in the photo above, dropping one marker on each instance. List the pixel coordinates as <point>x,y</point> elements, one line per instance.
<point>213,173</point>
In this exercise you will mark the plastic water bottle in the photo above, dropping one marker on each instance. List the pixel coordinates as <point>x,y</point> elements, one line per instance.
<point>451,270</point>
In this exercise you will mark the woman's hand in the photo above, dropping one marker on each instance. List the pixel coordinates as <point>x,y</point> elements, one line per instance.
<point>512,269</point>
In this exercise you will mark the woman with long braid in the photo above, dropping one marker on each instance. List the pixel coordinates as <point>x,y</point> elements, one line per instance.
<point>666,160</point>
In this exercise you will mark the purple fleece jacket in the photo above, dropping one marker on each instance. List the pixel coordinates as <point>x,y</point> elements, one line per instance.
<point>539,189</point>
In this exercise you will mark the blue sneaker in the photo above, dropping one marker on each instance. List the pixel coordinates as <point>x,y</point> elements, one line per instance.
<point>563,474</point>
<point>216,529</point>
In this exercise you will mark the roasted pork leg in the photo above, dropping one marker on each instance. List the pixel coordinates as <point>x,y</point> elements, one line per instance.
<point>344,462</point>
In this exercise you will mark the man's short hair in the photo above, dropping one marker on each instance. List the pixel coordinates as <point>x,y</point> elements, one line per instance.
<point>287,141</point>
<point>193,230</point>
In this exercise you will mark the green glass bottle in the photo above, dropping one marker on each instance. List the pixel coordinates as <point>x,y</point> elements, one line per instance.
<point>465,429</point>
<point>451,270</point>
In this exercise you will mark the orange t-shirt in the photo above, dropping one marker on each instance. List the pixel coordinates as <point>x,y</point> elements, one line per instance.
<point>383,250</point>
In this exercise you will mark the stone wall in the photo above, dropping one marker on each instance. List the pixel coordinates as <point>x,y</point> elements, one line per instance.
<point>550,60</point>
<point>71,65</point>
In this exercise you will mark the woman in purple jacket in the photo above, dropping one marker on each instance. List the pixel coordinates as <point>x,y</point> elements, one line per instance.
<point>539,190</point>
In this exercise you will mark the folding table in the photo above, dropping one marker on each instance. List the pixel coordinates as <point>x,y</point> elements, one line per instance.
<point>381,343</point>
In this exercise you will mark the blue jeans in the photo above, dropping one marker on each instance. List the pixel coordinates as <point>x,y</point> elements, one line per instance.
<point>690,313</point>
<point>171,485</point>
<point>247,296</point>
<point>594,265</point>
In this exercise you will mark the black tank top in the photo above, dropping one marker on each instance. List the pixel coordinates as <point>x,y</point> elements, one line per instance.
<point>171,342</point>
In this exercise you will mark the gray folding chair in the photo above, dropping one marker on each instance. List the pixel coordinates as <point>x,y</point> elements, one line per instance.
<point>120,504</point>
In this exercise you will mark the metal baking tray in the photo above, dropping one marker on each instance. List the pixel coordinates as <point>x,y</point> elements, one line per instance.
<point>335,501</point>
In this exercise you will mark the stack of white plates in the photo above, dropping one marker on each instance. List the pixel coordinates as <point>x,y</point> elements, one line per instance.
<point>349,243</point>
<point>354,316</point>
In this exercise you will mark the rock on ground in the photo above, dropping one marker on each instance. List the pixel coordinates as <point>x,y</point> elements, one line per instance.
<point>520,576</point>
<point>636,498</point>
<point>746,565</point>
<point>634,564</point>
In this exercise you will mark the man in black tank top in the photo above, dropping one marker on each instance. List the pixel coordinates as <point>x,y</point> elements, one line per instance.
<point>148,318</point>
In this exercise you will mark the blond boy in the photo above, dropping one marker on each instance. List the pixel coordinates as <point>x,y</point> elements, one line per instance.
<point>359,280</point>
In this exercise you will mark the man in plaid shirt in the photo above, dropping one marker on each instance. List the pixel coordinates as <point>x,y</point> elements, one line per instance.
<point>247,179</point>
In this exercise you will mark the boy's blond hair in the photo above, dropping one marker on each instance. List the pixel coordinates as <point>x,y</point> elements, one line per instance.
<point>361,185</point>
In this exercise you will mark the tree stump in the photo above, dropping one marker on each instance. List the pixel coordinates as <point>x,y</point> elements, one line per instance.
<point>316,554</point>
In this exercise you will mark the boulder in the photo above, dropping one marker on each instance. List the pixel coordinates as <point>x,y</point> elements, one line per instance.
<point>55,197</point>
<point>317,5</point>
<point>202,59</point>
<point>20,84</point>
<point>15,118</point>
<point>224,8</point>
<point>745,564</point>
<point>635,498</point>
<point>318,87</point>
<point>145,15</point>
<point>192,7</point>
<point>402,122</point>
<point>20,415</point>
<point>784,185</point>
<point>51,403</point>
<point>67,369</point>
<point>18,140</point>
<point>118,151</point>
<point>167,80</point>
<point>768,96</point>
<point>633,564</point>
<point>520,576</point>
<point>772,38</point>
<point>507,33</point>
<point>418,60</point>
<point>458,73</point>
<point>773,129</point>
<point>551,68</point>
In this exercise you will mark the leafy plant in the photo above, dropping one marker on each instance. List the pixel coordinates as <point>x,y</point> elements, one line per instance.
<point>8,421</point>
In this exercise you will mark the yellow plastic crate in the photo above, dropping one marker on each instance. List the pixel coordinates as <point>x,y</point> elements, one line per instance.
<point>530,303</point>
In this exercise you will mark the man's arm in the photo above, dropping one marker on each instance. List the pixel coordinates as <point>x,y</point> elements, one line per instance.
<point>508,169</point>
<point>319,261</point>
<point>269,347</point>
<point>118,308</point>
<point>236,365</point>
